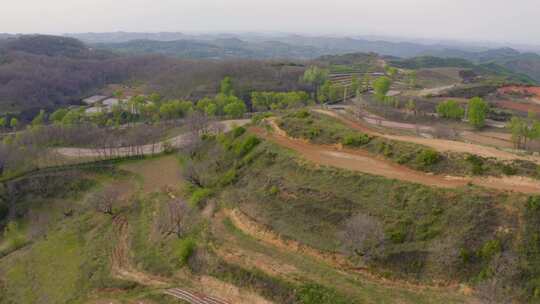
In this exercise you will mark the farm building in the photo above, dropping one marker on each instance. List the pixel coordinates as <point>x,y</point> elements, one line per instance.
<point>94,99</point>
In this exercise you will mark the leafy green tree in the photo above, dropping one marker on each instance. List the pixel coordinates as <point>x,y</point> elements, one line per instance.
<point>381,86</point>
<point>175,109</point>
<point>211,109</point>
<point>72,117</point>
<point>411,106</point>
<point>316,77</point>
<point>3,122</point>
<point>14,123</point>
<point>523,130</point>
<point>155,97</point>
<point>226,87</point>
<point>477,112</point>
<point>150,111</point>
<point>391,71</point>
<point>450,109</point>
<point>57,116</point>
<point>235,109</point>
<point>39,120</point>
<point>98,118</point>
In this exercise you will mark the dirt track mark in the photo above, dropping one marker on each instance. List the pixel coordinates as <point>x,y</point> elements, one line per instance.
<point>264,234</point>
<point>440,145</point>
<point>120,260</point>
<point>193,298</point>
<point>122,268</point>
<point>363,161</point>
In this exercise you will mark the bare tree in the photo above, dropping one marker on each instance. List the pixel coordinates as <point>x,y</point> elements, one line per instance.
<point>198,123</point>
<point>38,223</point>
<point>363,236</point>
<point>174,218</point>
<point>104,201</point>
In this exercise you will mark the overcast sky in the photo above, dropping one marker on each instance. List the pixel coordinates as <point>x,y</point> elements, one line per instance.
<point>486,20</point>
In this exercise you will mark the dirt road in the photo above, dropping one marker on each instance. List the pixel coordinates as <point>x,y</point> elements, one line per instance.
<point>149,149</point>
<point>193,298</point>
<point>441,145</point>
<point>123,268</point>
<point>362,161</point>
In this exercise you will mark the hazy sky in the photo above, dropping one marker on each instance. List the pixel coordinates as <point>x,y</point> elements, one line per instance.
<point>486,20</point>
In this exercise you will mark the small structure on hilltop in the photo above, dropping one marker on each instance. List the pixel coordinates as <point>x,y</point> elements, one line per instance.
<point>94,99</point>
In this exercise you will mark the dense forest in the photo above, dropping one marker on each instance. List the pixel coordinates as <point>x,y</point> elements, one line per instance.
<point>47,72</point>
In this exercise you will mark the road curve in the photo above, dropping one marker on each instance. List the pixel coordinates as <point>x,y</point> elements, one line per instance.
<point>193,298</point>
<point>365,162</point>
<point>148,149</point>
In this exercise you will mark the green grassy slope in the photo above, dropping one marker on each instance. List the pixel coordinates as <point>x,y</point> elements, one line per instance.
<point>430,235</point>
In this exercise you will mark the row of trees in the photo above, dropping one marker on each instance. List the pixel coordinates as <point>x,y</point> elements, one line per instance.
<point>12,123</point>
<point>477,110</point>
<point>326,91</point>
<point>264,101</point>
<point>150,109</point>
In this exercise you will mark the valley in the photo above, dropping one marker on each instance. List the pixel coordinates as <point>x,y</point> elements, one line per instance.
<point>355,178</point>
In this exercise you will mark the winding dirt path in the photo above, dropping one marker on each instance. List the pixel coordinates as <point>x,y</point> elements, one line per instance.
<point>441,145</point>
<point>263,234</point>
<point>362,161</point>
<point>122,268</point>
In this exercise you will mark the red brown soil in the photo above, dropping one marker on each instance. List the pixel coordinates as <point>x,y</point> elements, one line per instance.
<point>530,94</point>
<point>535,91</point>
<point>357,160</point>
<point>363,161</point>
<point>488,138</point>
<point>440,145</point>
<point>518,106</point>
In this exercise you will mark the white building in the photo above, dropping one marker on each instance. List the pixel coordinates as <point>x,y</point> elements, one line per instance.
<point>94,99</point>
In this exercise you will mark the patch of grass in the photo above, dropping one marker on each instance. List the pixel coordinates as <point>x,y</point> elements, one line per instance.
<point>71,261</point>
<point>425,226</point>
<point>184,249</point>
<point>244,147</point>
<point>199,196</point>
<point>322,129</point>
<point>427,158</point>
<point>355,140</point>
<point>318,294</point>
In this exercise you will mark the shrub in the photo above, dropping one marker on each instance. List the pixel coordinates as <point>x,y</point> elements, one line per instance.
<point>509,170</point>
<point>238,131</point>
<point>302,114</point>
<point>355,140</point>
<point>427,157</point>
<point>185,249</point>
<point>477,164</point>
<point>200,195</point>
<point>228,177</point>
<point>533,203</point>
<point>489,249</point>
<point>314,132</point>
<point>273,190</point>
<point>260,116</point>
<point>246,145</point>
<point>318,294</point>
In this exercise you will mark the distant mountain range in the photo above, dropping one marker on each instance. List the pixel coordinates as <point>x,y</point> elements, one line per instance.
<point>298,47</point>
<point>524,63</point>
